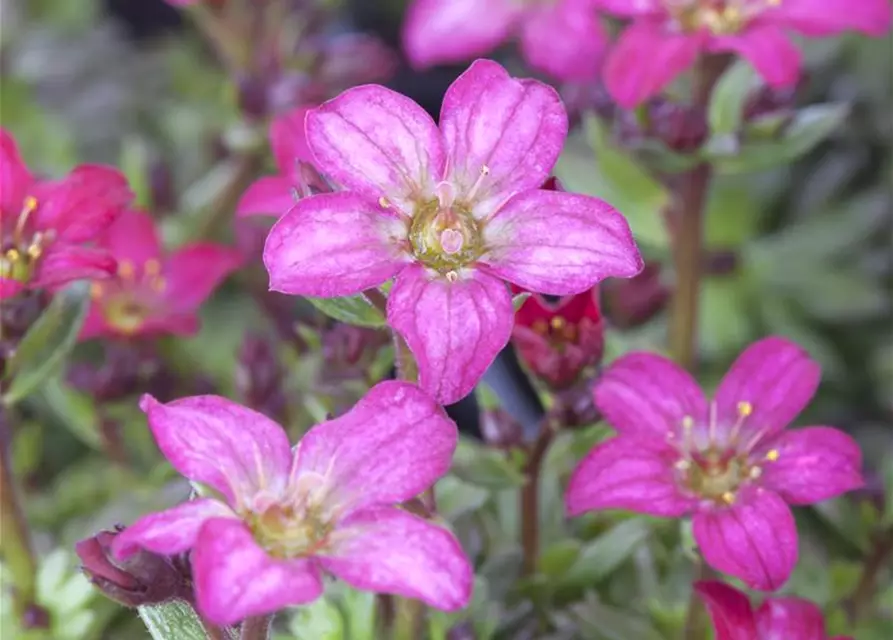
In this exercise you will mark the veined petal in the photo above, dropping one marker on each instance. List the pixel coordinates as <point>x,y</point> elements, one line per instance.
<point>512,130</point>
<point>15,178</point>
<point>334,244</point>
<point>454,329</point>
<point>730,611</point>
<point>387,550</point>
<point>826,17</point>
<point>194,271</point>
<point>812,464</point>
<point>565,39</point>
<point>559,243</point>
<point>392,445</point>
<point>63,263</point>
<point>378,143</point>
<point>132,237</point>
<point>236,579</point>
<point>791,619</point>
<point>635,474</point>
<point>754,540</point>
<point>217,442</point>
<point>289,141</point>
<point>272,196</point>
<point>768,49</point>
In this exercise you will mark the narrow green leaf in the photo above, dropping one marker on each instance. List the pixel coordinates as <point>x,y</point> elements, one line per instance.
<point>350,309</point>
<point>726,111</point>
<point>603,622</point>
<point>73,409</point>
<point>134,162</point>
<point>484,467</point>
<point>602,556</point>
<point>175,620</point>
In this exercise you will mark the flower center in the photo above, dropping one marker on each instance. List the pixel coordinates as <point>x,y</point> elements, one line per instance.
<point>20,251</point>
<point>558,331</point>
<point>287,531</point>
<point>445,238</point>
<point>720,17</point>
<point>130,298</point>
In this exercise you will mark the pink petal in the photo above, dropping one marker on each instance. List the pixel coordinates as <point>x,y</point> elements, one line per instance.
<point>387,550</point>
<point>628,473</point>
<point>217,442</point>
<point>559,243</point>
<point>334,244</point>
<point>565,40</point>
<point>768,49</point>
<point>645,59</point>
<point>755,540</point>
<point>442,31</point>
<point>289,141</point>
<point>378,143</point>
<point>454,329</point>
<point>826,17</point>
<point>15,178</point>
<point>176,324</point>
<point>272,196</point>
<point>394,443</point>
<point>514,128</point>
<point>631,8</point>
<point>813,464</point>
<point>730,611</point>
<point>776,377</point>
<point>790,619</point>
<point>236,579</point>
<point>648,395</point>
<point>169,532</point>
<point>132,237</point>
<point>10,288</point>
<point>64,263</point>
<point>194,271</point>
<point>95,324</point>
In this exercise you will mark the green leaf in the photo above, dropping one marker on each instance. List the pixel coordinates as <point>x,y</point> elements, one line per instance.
<point>455,497</point>
<point>602,622</point>
<point>520,299</point>
<point>48,342</point>
<point>175,620</point>
<point>134,162</point>
<point>318,620</point>
<point>602,556</point>
<point>726,110</point>
<point>73,409</point>
<point>559,557</point>
<point>350,309</point>
<point>485,467</point>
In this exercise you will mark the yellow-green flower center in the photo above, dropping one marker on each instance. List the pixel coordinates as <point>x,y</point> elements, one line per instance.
<point>720,17</point>
<point>445,238</point>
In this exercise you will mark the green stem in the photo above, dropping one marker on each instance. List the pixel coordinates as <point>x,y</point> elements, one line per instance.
<point>256,628</point>
<point>409,620</point>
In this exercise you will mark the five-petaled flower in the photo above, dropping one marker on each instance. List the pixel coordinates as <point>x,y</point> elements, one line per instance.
<point>777,618</point>
<point>279,517</point>
<point>666,37</point>
<point>153,293</point>
<point>452,212</point>
<point>728,461</point>
<point>563,38</point>
<point>45,224</point>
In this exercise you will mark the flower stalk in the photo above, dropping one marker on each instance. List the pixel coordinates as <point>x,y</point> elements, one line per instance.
<point>530,536</point>
<point>256,628</point>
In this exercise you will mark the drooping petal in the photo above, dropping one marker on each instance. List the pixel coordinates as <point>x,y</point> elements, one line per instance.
<point>768,49</point>
<point>648,395</point>
<point>64,263</point>
<point>169,532</point>
<point>791,619</point>
<point>193,272</point>
<point>565,39</point>
<point>378,143</point>
<point>235,578</point>
<point>826,17</point>
<point>289,141</point>
<point>729,609</point>
<point>754,540</point>
<point>454,329</point>
<point>217,442</point>
<point>776,378</point>
<point>812,464</point>
<point>15,178</point>
<point>132,237</point>
<point>334,244</point>
<point>269,196</point>
<point>559,243</point>
<point>645,59</point>
<point>443,31</point>
<point>635,474</point>
<point>394,443</point>
<point>387,550</point>
<point>512,130</point>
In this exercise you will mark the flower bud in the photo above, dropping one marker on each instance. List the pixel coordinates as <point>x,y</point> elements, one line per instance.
<point>499,429</point>
<point>682,128</point>
<point>633,302</point>
<point>259,377</point>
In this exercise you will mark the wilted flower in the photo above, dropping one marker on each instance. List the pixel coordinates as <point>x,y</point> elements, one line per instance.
<point>451,212</point>
<point>728,461</point>
<point>153,293</point>
<point>280,516</point>
<point>563,38</point>
<point>776,619</point>
<point>45,224</point>
<point>667,36</point>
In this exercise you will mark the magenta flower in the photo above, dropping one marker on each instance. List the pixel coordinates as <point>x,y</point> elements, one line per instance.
<point>281,517</point>
<point>563,38</point>
<point>666,37</point>
<point>776,619</point>
<point>451,212</point>
<point>153,293</point>
<point>728,461</point>
<point>45,224</point>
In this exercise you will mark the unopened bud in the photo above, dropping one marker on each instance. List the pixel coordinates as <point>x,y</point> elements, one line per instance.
<point>633,302</point>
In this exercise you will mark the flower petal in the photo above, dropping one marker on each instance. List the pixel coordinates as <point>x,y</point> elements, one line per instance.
<point>169,532</point>
<point>559,243</point>
<point>388,550</point>
<point>334,244</point>
<point>271,196</point>
<point>193,272</point>
<point>392,445</point>
<point>236,579</point>
<point>791,619</point>
<point>648,395</point>
<point>768,49</point>
<point>378,143</point>
<point>289,140</point>
<point>813,464</point>
<point>132,237</point>
<point>64,263</point>
<point>217,442</point>
<point>15,178</point>
<point>631,8</point>
<point>729,609</point>
<point>95,324</point>
<point>645,59</point>
<point>10,288</point>
<point>454,329</point>
<point>776,378</point>
<point>826,17</point>
<point>514,128</point>
<point>755,540</point>
<point>565,39</point>
<point>628,473</point>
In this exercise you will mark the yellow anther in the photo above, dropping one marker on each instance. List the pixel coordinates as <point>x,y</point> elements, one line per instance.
<point>728,497</point>
<point>34,251</point>
<point>29,204</point>
<point>383,202</point>
<point>755,472</point>
<point>125,269</point>
<point>541,327</point>
<point>688,423</point>
<point>683,465</point>
<point>452,276</point>
<point>152,267</point>
<point>557,323</point>
<point>13,255</point>
<point>96,291</point>
<point>772,455</point>
<point>745,409</point>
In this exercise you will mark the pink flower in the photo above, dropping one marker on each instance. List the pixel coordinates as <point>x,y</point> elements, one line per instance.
<point>776,619</point>
<point>728,461</point>
<point>45,225</point>
<point>562,38</point>
<point>281,517</point>
<point>666,37</point>
<point>451,212</point>
<point>153,293</point>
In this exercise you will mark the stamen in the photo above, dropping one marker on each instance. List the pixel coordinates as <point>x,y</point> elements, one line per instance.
<point>711,425</point>
<point>28,207</point>
<point>755,472</point>
<point>485,171</point>
<point>745,409</point>
<point>383,202</point>
<point>688,424</point>
<point>728,497</point>
<point>159,284</point>
<point>683,465</point>
<point>152,267</point>
<point>772,455</point>
<point>452,276</point>
<point>540,327</point>
<point>125,269</point>
<point>557,323</point>
<point>13,255</point>
<point>96,291</point>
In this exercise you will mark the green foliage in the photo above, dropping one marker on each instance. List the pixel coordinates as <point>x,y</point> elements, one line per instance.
<point>350,309</point>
